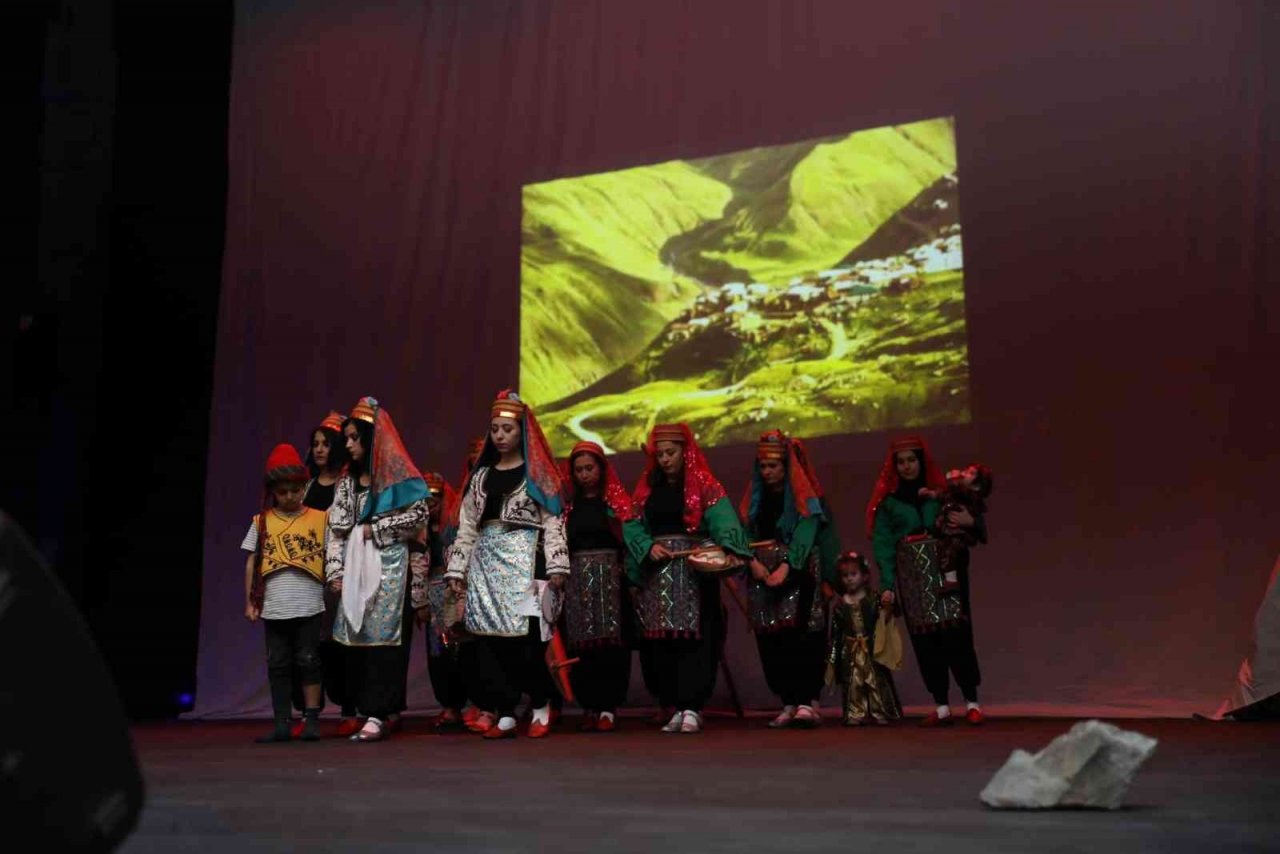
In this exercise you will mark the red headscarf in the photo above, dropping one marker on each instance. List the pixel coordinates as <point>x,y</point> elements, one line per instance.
<point>887,483</point>
<point>701,489</point>
<point>615,494</point>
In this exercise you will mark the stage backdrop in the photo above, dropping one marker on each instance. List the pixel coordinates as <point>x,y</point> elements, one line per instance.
<point>1118,183</point>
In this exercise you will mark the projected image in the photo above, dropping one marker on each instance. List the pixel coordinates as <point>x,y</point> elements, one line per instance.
<point>816,287</point>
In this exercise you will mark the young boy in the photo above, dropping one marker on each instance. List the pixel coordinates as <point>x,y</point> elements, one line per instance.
<point>284,587</point>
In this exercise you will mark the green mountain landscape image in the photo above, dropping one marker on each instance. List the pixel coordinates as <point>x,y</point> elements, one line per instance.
<point>816,287</point>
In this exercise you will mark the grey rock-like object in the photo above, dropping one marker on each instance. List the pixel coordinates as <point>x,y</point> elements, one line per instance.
<point>1090,766</point>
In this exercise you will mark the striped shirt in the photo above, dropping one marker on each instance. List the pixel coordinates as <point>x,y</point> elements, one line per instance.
<point>287,593</point>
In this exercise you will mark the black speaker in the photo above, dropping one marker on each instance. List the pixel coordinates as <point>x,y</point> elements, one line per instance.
<point>69,778</point>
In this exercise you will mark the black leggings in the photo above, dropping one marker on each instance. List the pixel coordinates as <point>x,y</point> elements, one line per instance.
<point>685,668</point>
<point>793,664</point>
<point>950,649</point>
<point>506,667</point>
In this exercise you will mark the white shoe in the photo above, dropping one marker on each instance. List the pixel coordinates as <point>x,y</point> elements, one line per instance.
<point>784,717</point>
<point>806,718</point>
<point>675,723</point>
<point>692,723</point>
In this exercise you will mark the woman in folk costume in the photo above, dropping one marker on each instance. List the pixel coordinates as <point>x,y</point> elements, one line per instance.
<point>444,640</point>
<point>379,505</point>
<point>326,461</point>
<point>783,507</point>
<point>510,560</point>
<point>678,502</point>
<point>902,518</point>
<point>597,615</point>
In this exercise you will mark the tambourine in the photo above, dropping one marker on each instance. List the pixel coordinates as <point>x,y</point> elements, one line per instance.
<point>710,558</point>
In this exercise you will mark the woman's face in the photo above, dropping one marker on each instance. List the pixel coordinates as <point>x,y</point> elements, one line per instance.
<point>908,463</point>
<point>772,472</point>
<point>505,434</point>
<point>354,446</point>
<point>670,457</point>
<point>320,448</point>
<point>586,472</point>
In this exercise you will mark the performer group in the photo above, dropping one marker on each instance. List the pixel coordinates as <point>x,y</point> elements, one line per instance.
<point>535,581</point>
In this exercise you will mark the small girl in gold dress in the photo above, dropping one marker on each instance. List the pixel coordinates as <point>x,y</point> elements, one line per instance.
<point>868,685</point>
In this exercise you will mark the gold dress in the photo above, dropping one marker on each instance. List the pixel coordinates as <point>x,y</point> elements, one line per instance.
<point>868,686</point>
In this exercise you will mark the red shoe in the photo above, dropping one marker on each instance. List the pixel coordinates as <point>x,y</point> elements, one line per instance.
<point>554,717</point>
<point>537,730</point>
<point>295,731</point>
<point>606,724</point>
<point>469,714</point>
<point>483,723</point>
<point>933,720</point>
<point>974,717</point>
<point>348,726</point>
<point>590,722</point>
<point>495,732</point>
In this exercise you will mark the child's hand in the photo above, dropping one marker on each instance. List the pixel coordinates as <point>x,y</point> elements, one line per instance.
<point>778,577</point>
<point>252,612</point>
<point>336,585</point>
<point>758,570</point>
<point>422,616</point>
<point>829,678</point>
<point>367,529</point>
<point>886,599</point>
<point>457,586</point>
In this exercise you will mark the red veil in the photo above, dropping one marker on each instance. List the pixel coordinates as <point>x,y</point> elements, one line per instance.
<point>887,483</point>
<point>701,489</point>
<point>615,494</point>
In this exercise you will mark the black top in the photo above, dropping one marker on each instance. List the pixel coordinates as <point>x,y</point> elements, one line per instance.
<point>498,484</point>
<point>664,509</point>
<point>319,496</point>
<point>589,526</point>
<point>768,514</point>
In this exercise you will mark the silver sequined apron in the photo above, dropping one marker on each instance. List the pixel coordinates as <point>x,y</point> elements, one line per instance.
<point>774,608</point>
<point>670,602</point>
<point>499,575</point>
<point>593,601</point>
<point>922,561</point>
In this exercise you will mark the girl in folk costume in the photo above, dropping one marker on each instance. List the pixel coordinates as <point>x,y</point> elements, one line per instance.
<point>326,462</point>
<point>903,517</point>
<point>852,654</point>
<point>284,586</point>
<point>783,506</point>
<point>678,503</point>
<point>597,615</point>
<point>511,560</point>
<point>444,640</point>
<point>378,506</point>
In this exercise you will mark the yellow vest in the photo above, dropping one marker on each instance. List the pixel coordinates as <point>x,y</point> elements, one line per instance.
<point>294,541</point>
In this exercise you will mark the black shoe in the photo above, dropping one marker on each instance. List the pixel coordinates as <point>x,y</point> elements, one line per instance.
<point>311,728</point>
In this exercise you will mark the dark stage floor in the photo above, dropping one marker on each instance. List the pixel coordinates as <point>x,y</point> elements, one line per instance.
<point>738,786</point>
